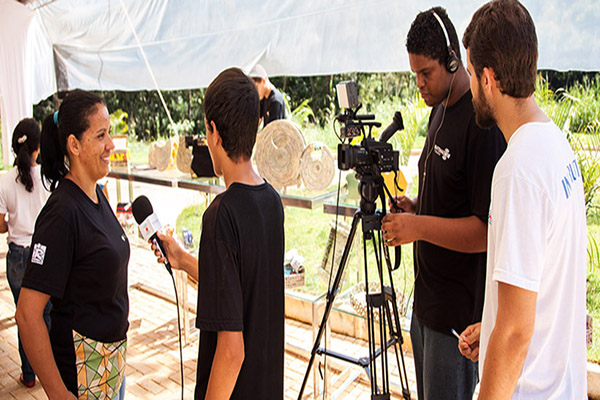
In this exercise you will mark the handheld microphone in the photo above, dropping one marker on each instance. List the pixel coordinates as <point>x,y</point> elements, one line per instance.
<point>396,125</point>
<point>149,224</point>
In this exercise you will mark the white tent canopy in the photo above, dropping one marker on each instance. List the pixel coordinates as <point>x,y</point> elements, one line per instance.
<point>65,44</point>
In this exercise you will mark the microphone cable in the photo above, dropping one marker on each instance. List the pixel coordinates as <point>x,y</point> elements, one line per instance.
<point>149,225</point>
<point>179,333</point>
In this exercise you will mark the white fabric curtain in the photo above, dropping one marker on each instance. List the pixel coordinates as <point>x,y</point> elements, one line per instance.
<point>188,42</point>
<point>15,93</point>
<point>90,44</point>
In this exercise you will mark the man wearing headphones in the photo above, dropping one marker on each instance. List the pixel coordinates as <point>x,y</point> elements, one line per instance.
<point>448,220</point>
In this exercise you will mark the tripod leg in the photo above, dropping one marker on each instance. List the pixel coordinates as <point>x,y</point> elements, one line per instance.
<point>396,331</point>
<point>330,299</point>
<point>385,303</point>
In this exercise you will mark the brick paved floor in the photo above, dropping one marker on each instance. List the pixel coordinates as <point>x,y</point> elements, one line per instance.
<point>153,351</point>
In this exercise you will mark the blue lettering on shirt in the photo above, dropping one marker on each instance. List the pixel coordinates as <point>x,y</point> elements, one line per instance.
<point>572,174</point>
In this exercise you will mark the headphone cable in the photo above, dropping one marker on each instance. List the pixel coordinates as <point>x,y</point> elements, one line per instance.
<point>419,200</point>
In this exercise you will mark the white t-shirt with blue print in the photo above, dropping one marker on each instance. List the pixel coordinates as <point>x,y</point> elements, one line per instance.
<point>537,241</point>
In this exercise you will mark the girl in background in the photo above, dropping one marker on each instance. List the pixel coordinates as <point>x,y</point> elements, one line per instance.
<point>22,196</point>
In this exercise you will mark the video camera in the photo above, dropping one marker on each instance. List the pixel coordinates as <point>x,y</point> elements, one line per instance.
<point>201,160</point>
<point>371,156</point>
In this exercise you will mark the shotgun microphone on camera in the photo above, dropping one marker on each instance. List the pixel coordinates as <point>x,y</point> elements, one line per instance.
<point>396,125</point>
<point>149,224</point>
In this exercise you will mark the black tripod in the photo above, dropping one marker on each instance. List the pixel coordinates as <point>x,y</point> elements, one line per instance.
<point>370,187</point>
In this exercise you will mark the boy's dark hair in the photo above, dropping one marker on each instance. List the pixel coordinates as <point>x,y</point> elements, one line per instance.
<point>25,141</point>
<point>72,119</point>
<point>427,38</point>
<point>501,36</point>
<point>231,102</point>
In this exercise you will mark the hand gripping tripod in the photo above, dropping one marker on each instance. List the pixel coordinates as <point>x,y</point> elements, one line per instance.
<point>384,302</point>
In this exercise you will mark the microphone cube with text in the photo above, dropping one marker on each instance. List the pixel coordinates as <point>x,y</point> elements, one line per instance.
<point>149,224</point>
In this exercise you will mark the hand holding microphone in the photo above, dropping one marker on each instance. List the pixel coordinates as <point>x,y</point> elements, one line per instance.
<point>171,250</point>
<point>149,226</point>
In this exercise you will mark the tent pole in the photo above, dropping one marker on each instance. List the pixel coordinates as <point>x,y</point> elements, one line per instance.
<point>137,40</point>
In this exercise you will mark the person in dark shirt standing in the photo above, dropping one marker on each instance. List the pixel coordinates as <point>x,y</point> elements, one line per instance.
<point>272,106</point>
<point>448,220</point>
<point>79,256</point>
<point>240,266</point>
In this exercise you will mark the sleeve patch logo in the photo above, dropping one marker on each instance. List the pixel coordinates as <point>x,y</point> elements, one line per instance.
<point>38,254</point>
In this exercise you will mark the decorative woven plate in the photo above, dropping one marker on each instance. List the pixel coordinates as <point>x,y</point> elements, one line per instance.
<point>278,149</point>
<point>184,156</point>
<point>317,166</point>
<point>160,155</point>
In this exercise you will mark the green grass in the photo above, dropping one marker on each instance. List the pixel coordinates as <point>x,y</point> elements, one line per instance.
<point>593,279</point>
<point>307,231</point>
<point>191,218</point>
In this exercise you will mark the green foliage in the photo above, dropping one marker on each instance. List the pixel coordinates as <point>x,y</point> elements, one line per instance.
<point>303,114</point>
<point>587,107</point>
<point>318,90</point>
<point>415,116</point>
<point>558,109</point>
<point>148,119</point>
<point>118,122</point>
<point>381,95</point>
<point>181,127</point>
<point>593,289</point>
<point>45,107</point>
<point>575,111</point>
<point>593,270</point>
<point>573,108</point>
<point>561,106</point>
<point>586,149</point>
<point>320,93</point>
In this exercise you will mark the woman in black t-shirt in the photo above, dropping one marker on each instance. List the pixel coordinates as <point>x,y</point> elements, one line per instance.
<point>79,257</point>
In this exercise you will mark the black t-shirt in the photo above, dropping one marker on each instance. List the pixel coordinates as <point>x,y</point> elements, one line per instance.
<point>272,107</point>
<point>240,287</point>
<point>79,256</point>
<point>449,286</point>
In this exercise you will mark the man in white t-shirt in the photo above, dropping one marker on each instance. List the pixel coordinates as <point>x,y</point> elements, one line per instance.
<point>531,342</point>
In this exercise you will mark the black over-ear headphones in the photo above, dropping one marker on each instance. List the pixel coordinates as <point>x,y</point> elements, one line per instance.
<point>452,62</point>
